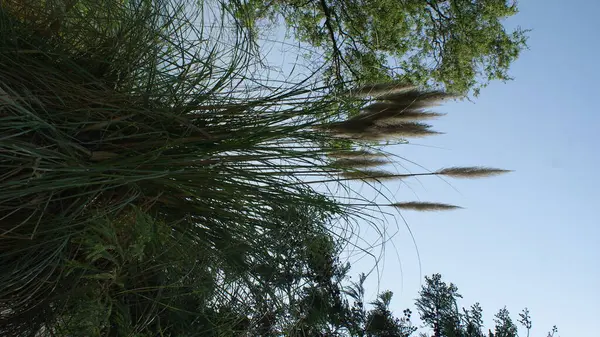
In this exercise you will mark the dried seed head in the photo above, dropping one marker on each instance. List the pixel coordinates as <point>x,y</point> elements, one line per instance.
<point>370,175</point>
<point>471,172</point>
<point>355,154</point>
<point>394,117</point>
<point>407,116</point>
<point>424,206</point>
<point>351,128</point>
<point>412,96</point>
<point>392,107</point>
<point>358,162</point>
<point>402,130</point>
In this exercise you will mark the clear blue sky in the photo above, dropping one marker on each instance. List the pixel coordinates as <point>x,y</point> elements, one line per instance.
<point>530,238</point>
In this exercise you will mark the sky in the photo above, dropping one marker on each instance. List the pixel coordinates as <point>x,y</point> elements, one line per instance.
<point>530,238</point>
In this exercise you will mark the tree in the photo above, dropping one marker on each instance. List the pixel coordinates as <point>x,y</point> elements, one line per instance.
<point>459,44</point>
<point>382,323</point>
<point>438,309</point>
<point>525,320</point>
<point>504,324</point>
<point>473,321</point>
<point>437,305</point>
<point>379,321</point>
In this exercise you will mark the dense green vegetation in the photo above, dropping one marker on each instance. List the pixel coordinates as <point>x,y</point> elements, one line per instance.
<point>460,45</point>
<point>152,183</point>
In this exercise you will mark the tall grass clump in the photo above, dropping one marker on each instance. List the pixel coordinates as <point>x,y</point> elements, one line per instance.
<point>152,183</point>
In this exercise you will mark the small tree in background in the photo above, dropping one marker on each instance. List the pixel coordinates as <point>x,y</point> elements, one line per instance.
<point>437,306</point>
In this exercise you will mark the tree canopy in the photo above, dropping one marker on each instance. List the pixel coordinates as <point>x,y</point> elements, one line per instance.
<point>437,307</point>
<point>461,45</point>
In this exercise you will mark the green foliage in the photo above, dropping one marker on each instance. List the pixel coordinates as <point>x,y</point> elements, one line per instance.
<point>152,183</point>
<point>437,305</point>
<point>377,321</point>
<point>381,321</point>
<point>462,45</point>
<point>124,194</point>
<point>504,324</point>
<point>473,321</point>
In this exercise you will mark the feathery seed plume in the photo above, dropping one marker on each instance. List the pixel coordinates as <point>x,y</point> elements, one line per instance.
<point>424,206</point>
<point>358,162</point>
<point>407,116</point>
<point>370,175</point>
<point>380,107</point>
<point>403,130</point>
<point>355,154</point>
<point>471,172</point>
